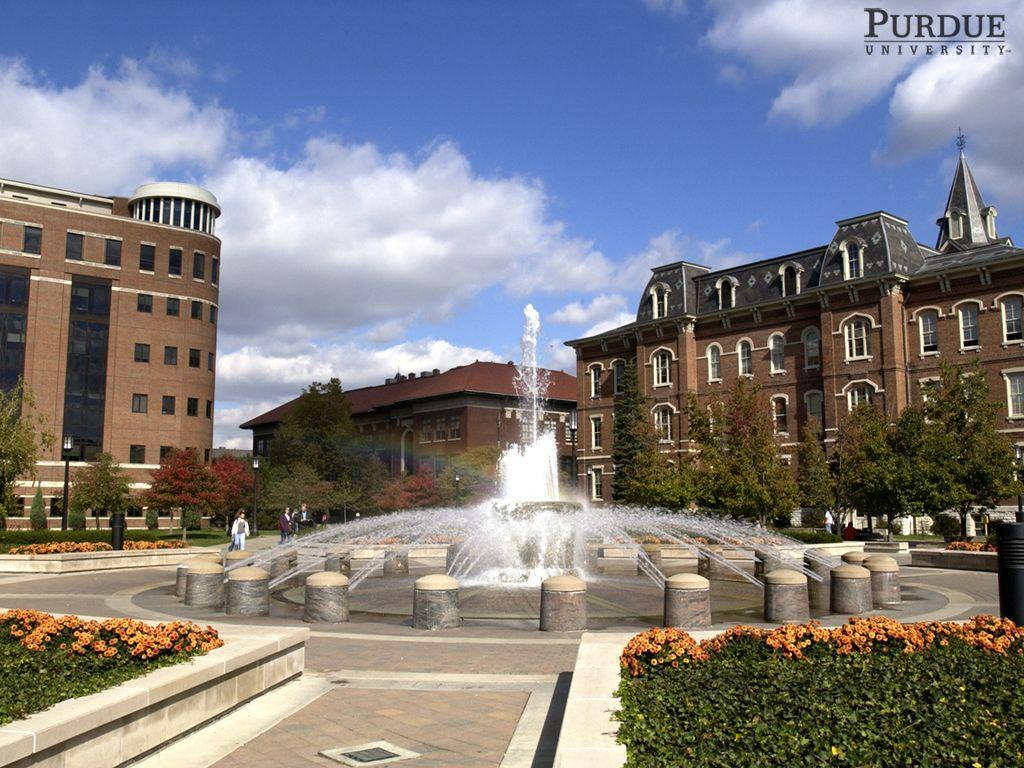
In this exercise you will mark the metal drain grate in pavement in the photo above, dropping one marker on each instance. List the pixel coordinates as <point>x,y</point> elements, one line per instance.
<point>374,753</point>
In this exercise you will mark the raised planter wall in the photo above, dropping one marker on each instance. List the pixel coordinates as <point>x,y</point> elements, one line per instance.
<point>958,561</point>
<point>74,562</point>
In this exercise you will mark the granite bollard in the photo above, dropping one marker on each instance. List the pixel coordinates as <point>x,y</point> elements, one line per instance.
<point>326,598</point>
<point>435,602</point>
<point>563,604</point>
<point>248,592</point>
<point>885,581</point>
<point>785,596</point>
<point>204,584</point>
<point>180,576</point>
<point>851,589</point>
<point>856,557</point>
<point>687,601</point>
<point>235,556</point>
<point>819,592</point>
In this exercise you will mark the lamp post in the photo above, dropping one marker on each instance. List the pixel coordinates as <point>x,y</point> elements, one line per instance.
<point>255,495</point>
<point>573,426</point>
<point>1020,487</point>
<point>458,479</point>
<point>68,445</point>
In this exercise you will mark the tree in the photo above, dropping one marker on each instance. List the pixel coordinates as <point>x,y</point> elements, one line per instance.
<point>37,517</point>
<point>866,481</point>
<point>814,480</point>
<point>413,492</point>
<point>632,435</point>
<point>183,482</point>
<point>976,459</point>
<point>23,437</point>
<point>316,429</point>
<point>235,482</point>
<point>100,487</point>
<point>290,487</point>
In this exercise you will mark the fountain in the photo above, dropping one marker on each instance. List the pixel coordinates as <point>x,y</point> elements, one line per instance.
<point>532,530</point>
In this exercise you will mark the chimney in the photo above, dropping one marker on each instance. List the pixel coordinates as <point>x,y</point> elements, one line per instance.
<point>412,375</point>
<point>436,371</point>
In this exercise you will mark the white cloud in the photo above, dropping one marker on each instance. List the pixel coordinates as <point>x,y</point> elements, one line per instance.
<point>673,8</point>
<point>671,246</point>
<point>560,357</point>
<point>578,313</point>
<point>611,322</point>
<point>108,133</point>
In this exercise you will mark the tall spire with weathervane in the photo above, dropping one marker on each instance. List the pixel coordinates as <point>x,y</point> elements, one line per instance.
<point>967,222</point>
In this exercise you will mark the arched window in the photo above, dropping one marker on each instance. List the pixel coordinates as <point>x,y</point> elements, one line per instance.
<point>790,279</point>
<point>812,348</point>
<point>956,226</point>
<point>595,381</point>
<point>746,354</point>
<point>777,343</point>
<point>618,371</point>
<point>780,415</point>
<point>858,342</point>
<point>990,222</point>
<point>928,322</point>
<point>659,302</point>
<point>859,392</point>
<point>662,369</point>
<point>726,293</point>
<point>968,314</point>
<point>663,422</point>
<point>1012,327</point>
<point>714,363</point>
<point>853,264</point>
<point>815,408</point>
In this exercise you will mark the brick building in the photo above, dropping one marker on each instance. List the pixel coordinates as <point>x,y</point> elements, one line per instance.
<point>108,310</point>
<point>871,315</point>
<point>421,422</point>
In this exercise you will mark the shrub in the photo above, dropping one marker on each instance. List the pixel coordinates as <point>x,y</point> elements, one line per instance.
<point>971,546</point>
<point>152,519</point>
<point>63,547</point>
<point>190,519</point>
<point>45,659</point>
<point>37,517</point>
<point>872,692</point>
<point>811,535</point>
<point>14,538</point>
<point>946,525</point>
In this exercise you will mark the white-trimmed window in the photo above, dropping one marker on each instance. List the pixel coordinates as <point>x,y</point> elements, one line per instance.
<point>780,415</point>
<point>595,432</point>
<point>812,348</point>
<point>663,422</point>
<point>956,226</point>
<point>853,261</point>
<point>857,340</point>
<point>777,345</point>
<point>790,278</point>
<point>618,371</point>
<point>1012,327</point>
<point>859,392</point>
<point>814,403</point>
<point>659,301</point>
<point>726,293</point>
<point>595,381</point>
<point>928,323</point>
<point>596,485</point>
<point>968,314</point>
<point>1015,394</point>
<point>662,369</point>
<point>714,363</point>
<point>746,355</point>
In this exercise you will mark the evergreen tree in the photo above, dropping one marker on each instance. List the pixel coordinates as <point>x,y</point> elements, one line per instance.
<point>37,517</point>
<point>632,435</point>
<point>814,480</point>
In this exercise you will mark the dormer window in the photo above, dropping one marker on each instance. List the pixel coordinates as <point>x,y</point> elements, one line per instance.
<point>659,302</point>
<point>956,226</point>
<point>789,275</point>
<point>990,222</point>
<point>726,293</point>
<point>853,263</point>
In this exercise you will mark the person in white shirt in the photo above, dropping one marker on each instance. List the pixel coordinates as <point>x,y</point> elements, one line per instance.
<point>239,530</point>
<point>829,521</point>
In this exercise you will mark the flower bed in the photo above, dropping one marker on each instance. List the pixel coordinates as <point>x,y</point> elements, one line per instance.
<point>45,659</point>
<point>872,692</point>
<point>64,547</point>
<point>970,546</point>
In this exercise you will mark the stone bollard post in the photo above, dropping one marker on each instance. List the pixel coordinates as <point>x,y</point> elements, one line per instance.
<point>248,592</point>
<point>180,575</point>
<point>687,601</point>
<point>851,589</point>
<point>326,597</point>
<point>856,557</point>
<point>280,565</point>
<point>397,564</point>
<point>204,584</point>
<point>885,581</point>
<point>820,592</point>
<point>435,602</point>
<point>785,596</point>
<point>563,604</point>
<point>235,557</point>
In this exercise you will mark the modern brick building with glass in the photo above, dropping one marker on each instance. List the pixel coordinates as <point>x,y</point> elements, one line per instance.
<point>871,315</point>
<point>108,310</point>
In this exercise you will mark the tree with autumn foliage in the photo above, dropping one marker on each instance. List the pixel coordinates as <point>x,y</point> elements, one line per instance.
<point>234,478</point>
<point>183,482</point>
<point>100,486</point>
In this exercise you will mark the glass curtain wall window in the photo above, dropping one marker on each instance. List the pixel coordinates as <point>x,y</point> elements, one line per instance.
<point>13,323</point>
<point>968,326</point>
<point>929,332</point>
<point>86,378</point>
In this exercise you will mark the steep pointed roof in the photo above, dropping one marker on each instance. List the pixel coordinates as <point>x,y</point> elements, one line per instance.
<point>964,201</point>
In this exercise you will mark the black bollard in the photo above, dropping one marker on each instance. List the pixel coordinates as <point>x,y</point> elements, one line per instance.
<point>117,530</point>
<point>1010,542</point>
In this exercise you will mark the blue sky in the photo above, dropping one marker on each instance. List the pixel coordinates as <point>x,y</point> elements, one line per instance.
<point>399,178</point>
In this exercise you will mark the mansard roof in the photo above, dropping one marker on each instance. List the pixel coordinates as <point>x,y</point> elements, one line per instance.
<point>677,278</point>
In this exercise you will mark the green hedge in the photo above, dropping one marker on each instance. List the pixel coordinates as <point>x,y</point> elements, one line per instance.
<point>10,539</point>
<point>946,706</point>
<point>811,535</point>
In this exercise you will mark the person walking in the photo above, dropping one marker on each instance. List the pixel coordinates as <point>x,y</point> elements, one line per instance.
<point>829,521</point>
<point>284,525</point>
<point>239,531</point>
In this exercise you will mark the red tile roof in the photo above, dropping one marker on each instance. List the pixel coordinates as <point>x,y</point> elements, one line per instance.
<point>478,378</point>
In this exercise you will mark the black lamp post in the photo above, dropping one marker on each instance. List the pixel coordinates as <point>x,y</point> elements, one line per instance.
<point>255,495</point>
<point>1020,480</point>
<point>458,479</point>
<point>66,448</point>
<point>1010,558</point>
<point>573,426</point>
